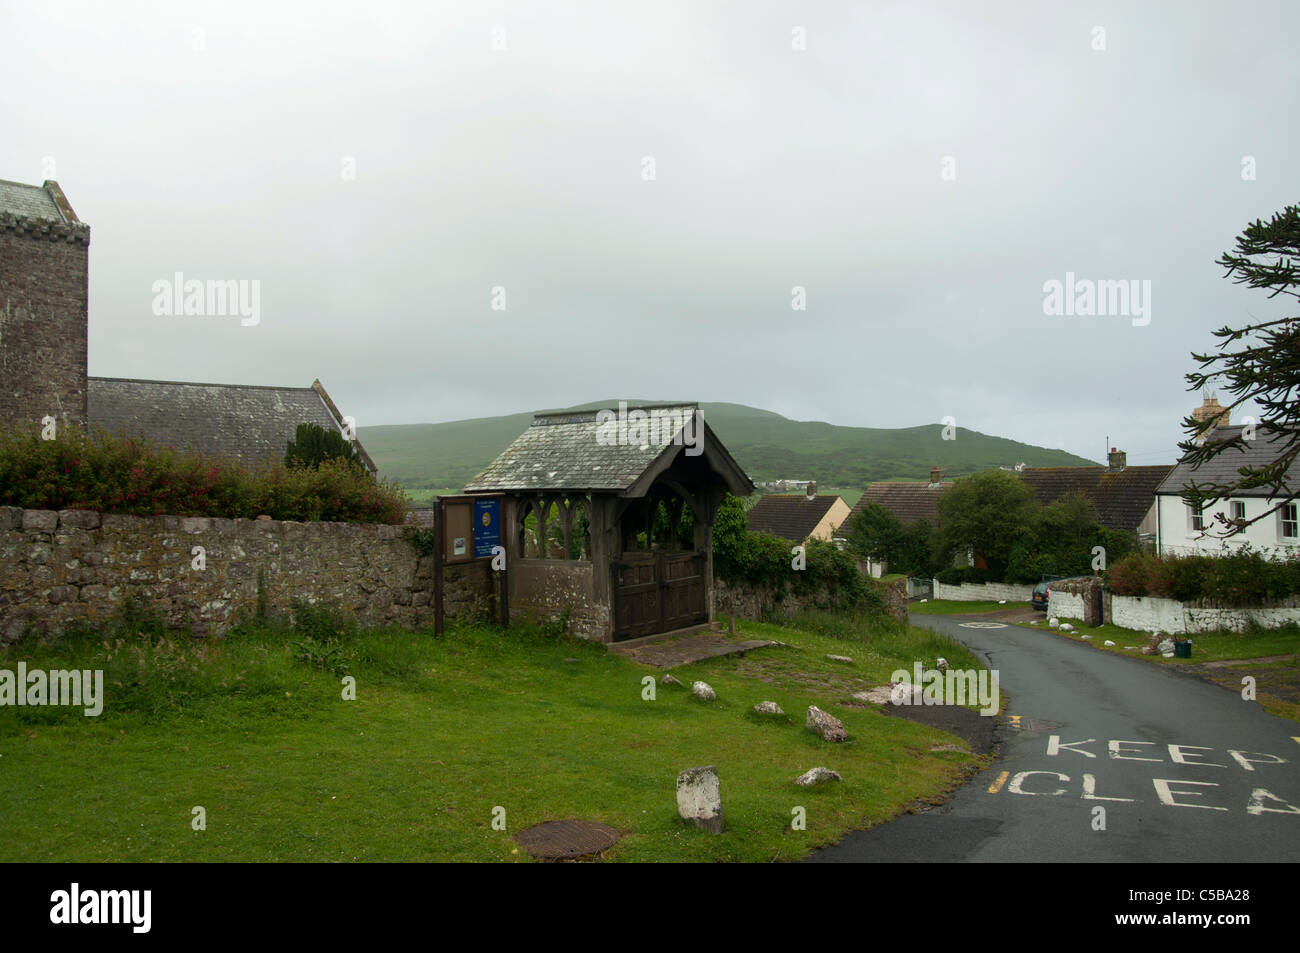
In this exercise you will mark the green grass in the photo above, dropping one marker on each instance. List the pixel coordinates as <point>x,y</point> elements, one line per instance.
<point>956,607</point>
<point>254,730</point>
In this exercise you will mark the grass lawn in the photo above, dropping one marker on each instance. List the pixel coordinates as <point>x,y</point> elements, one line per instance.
<point>254,729</point>
<point>955,607</point>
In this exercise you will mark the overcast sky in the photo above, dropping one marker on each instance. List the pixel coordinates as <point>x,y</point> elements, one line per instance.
<point>920,169</point>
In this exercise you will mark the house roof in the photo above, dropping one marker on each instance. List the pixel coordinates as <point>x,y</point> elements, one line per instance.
<point>907,501</point>
<point>1222,468</point>
<point>251,423</point>
<point>584,450</point>
<point>40,211</point>
<point>1120,498</point>
<point>789,516</point>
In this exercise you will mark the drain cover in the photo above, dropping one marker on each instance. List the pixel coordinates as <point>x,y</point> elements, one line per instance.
<point>557,840</point>
<point>1020,723</point>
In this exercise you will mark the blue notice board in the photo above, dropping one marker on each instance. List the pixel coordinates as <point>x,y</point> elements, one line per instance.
<point>487,527</point>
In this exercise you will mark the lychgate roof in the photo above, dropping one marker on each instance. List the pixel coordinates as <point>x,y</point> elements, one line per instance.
<point>589,451</point>
<point>250,423</point>
<point>1222,468</point>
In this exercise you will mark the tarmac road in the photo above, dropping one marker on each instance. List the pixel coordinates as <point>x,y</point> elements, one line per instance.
<point>1184,770</point>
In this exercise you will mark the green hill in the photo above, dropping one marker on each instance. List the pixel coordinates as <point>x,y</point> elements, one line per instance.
<point>424,457</point>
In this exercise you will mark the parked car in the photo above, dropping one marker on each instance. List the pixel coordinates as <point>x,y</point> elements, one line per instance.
<point>1039,598</point>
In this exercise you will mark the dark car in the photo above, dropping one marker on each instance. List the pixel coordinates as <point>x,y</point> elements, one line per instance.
<point>1039,599</point>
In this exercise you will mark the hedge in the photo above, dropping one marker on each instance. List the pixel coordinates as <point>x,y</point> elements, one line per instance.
<point>113,474</point>
<point>1246,577</point>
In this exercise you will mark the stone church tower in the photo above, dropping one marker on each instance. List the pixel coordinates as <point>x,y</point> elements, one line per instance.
<point>1211,409</point>
<point>44,272</point>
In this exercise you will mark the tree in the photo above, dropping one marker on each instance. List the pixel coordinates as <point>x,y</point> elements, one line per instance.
<point>991,512</point>
<point>312,445</point>
<point>875,532</point>
<point>1265,369</point>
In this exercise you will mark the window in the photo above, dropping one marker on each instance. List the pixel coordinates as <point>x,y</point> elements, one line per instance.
<point>1290,521</point>
<point>1196,515</point>
<point>1238,510</point>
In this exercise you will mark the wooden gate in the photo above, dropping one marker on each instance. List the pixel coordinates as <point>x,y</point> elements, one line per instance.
<point>658,592</point>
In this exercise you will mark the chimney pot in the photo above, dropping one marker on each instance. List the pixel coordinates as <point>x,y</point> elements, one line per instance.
<point>812,489</point>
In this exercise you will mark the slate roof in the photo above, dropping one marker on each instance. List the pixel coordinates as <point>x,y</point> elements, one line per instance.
<point>1121,498</point>
<point>1223,468</point>
<point>569,451</point>
<point>907,501</point>
<point>251,423</point>
<point>789,516</point>
<point>29,201</point>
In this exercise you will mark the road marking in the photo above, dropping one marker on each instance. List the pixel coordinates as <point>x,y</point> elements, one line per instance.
<point>1015,721</point>
<point>982,625</point>
<point>1015,787</point>
<point>996,786</point>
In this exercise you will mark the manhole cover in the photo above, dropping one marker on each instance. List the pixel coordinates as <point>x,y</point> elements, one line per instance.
<point>556,840</point>
<point>982,625</point>
<point>1021,723</point>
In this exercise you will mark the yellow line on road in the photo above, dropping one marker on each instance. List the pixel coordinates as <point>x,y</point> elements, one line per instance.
<point>996,786</point>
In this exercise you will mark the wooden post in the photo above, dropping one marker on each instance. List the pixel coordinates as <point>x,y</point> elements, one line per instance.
<point>440,544</point>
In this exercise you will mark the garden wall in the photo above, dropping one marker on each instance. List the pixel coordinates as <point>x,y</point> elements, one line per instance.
<point>983,592</point>
<point>750,601</point>
<point>73,566</point>
<point>1153,614</point>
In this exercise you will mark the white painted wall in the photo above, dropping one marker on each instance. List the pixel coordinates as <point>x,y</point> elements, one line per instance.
<point>985,592</point>
<point>1178,537</point>
<point>1152,614</point>
<point>1064,605</point>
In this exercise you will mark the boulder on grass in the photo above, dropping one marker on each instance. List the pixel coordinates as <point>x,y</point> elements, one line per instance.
<point>704,692</point>
<point>768,708</point>
<point>840,658</point>
<point>817,776</point>
<point>827,726</point>
<point>670,680</point>
<point>699,798</point>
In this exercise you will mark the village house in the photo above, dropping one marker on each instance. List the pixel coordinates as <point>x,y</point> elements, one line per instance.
<point>1182,529</point>
<point>1122,497</point>
<point>798,517</point>
<point>44,324</point>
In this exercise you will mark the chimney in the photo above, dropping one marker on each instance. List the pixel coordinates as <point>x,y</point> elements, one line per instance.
<point>812,489</point>
<point>935,475</point>
<point>1118,459</point>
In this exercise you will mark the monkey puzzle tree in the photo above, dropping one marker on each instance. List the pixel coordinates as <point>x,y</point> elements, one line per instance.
<point>1265,369</point>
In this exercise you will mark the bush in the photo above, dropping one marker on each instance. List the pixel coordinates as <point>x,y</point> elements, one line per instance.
<point>127,475</point>
<point>1246,577</point>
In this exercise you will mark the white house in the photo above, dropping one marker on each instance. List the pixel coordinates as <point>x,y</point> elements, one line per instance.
<point>1180,529</point>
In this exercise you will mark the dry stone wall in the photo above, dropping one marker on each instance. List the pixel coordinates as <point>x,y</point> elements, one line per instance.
<point>59,569</point>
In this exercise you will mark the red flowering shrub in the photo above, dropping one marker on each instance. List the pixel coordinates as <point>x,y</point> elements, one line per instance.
<point>127,475</point>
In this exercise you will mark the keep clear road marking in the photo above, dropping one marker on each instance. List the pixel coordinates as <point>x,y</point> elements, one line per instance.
<point>1166,793</point>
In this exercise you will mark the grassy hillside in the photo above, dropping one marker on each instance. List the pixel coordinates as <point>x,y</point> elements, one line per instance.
<point>425,457</point>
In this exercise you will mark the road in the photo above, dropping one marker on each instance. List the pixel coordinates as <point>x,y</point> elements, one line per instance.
<point>1183,770</point>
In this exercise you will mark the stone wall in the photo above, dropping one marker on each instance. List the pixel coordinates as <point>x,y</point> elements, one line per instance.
<point>984,592</point>
<point>1153,614</point>
<point>749,601</point>
<point>1076,599</point>
<point>75,566</point>
<point>43,295</point>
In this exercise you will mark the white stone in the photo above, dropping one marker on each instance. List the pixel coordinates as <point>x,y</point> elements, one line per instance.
<point>768,708</point>
<point>1108,642</point>
<point>1166,647</point>
<point>827,726</point>
<point>817,776</point>
<point>1066,627</point>
<point>670,680</point>
<point>699,797</point>
<point>704,692</point>
<point>1053,622</point>
<point>840,658</point>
